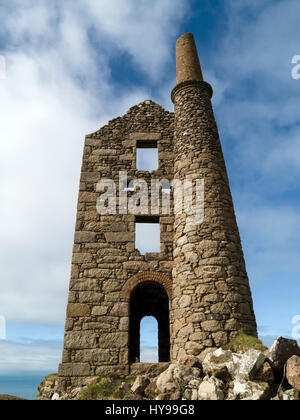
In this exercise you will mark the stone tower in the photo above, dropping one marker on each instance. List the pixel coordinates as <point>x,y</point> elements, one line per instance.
<point>211,295</point>
<point>196,286</point>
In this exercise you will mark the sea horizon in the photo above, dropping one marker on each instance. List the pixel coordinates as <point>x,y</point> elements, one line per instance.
<point>22,386</point>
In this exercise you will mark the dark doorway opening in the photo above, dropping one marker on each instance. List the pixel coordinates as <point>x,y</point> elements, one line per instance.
<point>149,299</point>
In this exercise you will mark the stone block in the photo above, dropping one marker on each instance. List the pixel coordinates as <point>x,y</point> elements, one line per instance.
<point>99,310</point>
<point>103,356</point>
<point>212,326</point>
<point>88,197</point>
<point>145,136</point>
<point>79,340</point>
<point>90,177</point>
<point>120,309</point>
<point>120,236</point>
<point>135,265</point>
<point>84,236</point>
<point>78,310</point>
<point>81,258</point>
<point>75,369</point>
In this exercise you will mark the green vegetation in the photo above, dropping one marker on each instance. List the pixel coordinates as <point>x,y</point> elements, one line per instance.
<point>10,398</point>
<point>107,389</point>
<point>243,342</point>
<point>50,381</point>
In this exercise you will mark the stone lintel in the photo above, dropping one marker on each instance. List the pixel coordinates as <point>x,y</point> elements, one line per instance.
<point>145,136</point>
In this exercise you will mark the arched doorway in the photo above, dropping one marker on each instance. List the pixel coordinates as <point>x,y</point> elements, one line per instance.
<point>149,299</point>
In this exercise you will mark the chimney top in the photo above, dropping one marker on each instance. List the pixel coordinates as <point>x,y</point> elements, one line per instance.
<point>187,60</point>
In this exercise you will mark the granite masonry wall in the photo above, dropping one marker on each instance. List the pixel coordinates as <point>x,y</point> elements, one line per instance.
<point>106,266</point>
<point>196,286</point>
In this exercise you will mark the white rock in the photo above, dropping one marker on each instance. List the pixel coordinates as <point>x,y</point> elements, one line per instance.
<point>140,384</point>
<point>248,390</point>
<point>221,364</point>
<point>291,395</point>
<point>249,364</point>
<point>75,392</point>
<point>187,394</point>
<point>176,376</point>
<point>219,356</point>
<point>55,397</point>
<point>165,381</point>
<point>194,383</point>
<point>194,396</point>
<point>196,372</point>
<point>211,389</point>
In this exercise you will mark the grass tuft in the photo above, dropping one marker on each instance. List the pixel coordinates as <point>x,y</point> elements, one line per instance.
<point>243,342</point>
<point>106,389</point>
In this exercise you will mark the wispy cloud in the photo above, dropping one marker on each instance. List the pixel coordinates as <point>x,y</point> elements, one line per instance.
<point>59,87</point>
<point>258,116</point>
<point>21,359</point>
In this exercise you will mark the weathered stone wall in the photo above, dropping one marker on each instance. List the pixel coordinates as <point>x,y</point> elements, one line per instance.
<point>200,271</point>
<point>211,295</point>
<point>104,254</point>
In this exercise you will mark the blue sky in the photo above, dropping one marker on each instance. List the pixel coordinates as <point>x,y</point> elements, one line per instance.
<point>71,67</point>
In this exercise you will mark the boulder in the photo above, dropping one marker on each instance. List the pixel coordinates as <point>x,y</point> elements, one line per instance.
<point>205,352</point>
<point>249,364</point>
<point>190,361</point>
<point>140,384</point>
<point>221,364</point>
<point>187,395</point>
<point>281,350</point>
<point>194,383</point>
<point>211,389</point>
<point>163,397</point>
<point>176,376</point>
<point>250,390</point>
<point>76,392</point>
<point>190,394</point>
<point>265,373</point>
<point>290,395</point>
<point>219,356</point>
<point>293,372</point>
<point>176,395</point>
<point>191,391</point>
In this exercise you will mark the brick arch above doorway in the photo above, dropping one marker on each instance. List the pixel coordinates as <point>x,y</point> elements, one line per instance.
<point>145,276</point>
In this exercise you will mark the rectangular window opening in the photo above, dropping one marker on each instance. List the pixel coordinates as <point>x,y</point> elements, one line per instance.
<point>147,234</point>
<point>146,156</point>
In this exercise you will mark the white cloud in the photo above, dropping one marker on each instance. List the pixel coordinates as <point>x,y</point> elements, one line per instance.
<point>19,359</point>
<point>258,111</point>
<point>144,31</point>
<point>58,88</point>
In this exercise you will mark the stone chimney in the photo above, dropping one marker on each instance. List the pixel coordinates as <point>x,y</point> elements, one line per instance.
<point>211,295</point>
<point>187,60</point>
